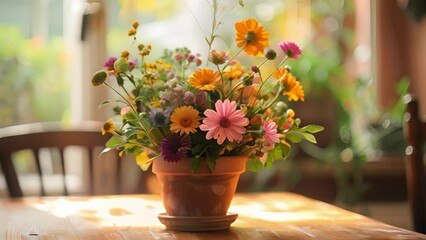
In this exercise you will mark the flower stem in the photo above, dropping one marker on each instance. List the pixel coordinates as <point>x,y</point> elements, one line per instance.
<point>134,111</point>
<point>232,58</point>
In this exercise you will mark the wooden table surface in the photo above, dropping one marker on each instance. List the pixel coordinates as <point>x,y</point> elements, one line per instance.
<point>261,216</point>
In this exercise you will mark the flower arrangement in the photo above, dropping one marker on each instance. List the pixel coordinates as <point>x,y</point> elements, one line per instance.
<point>177,107</point>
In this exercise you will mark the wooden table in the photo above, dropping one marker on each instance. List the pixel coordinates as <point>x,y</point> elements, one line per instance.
<point>261,216</point>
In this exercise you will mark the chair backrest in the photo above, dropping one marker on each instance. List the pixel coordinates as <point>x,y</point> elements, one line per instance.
<point>415,134</point>
<point>38,136</point>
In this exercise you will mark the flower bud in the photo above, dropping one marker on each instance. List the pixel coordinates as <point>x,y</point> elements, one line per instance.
<point>280,106</point>
<point>116,110</point>
<point>290,113</point>
<point>255,69</point>
<point>198,62</point>
<point>135,24</point>
<point>125,54</point>
<point>271,54</point>
<point>218,57</point>
<point>191,58</point>
<point>288,68</point>
<point>131,32</point>
<point>99,78</point>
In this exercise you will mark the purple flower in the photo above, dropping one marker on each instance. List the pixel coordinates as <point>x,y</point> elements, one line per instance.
<point>159,117</point>
<point>201,99</point>
<point>189,98</point>
<point>290,49</point>
<point>132,64</point>
<point>109,63</point>
<point>174,147</point>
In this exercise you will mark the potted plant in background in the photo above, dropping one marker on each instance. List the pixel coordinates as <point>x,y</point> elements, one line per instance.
<point>200,123</point>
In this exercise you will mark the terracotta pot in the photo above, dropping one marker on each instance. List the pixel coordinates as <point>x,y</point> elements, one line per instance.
<point>202,193</point>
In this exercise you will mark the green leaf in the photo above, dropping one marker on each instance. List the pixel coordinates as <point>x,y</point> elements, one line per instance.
<point>156,134</point>
<point>110,101</point>
<point>313,128</point>
<point>311,138</point>
<point>285,149</point>
<point>273,155</point>
<point>254,165</point>
<point>114,142</point>
<point>297,121</point>
<point>121,64</point>
<point>145,122</point>
<point>211,163</point>
<point>195,164</point>
<point>294,136</point>
<point>211,157</point>
<point>120,80</point>
<point>139,98</point>
<point>197,149</point>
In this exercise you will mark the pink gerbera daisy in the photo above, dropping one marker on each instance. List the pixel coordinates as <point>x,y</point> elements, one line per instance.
<point>290,49</point>
<point>225,123</point>
<point>270,133</point>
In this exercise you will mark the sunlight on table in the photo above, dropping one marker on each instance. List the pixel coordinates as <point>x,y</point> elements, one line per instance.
<point>142,212</point>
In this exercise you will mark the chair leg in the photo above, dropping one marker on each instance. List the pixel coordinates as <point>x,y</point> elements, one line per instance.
<point>118,175</point>
<point>61,152</point>
<point>11,177</point>
<point>36,153</point>
<point>91,172</point>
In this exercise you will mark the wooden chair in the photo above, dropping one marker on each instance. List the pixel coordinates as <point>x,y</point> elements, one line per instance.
<point>415,134</point>
<point>35,137</point>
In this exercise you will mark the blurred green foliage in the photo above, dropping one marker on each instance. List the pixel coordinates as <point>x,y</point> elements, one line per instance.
<point>359,131</point>
<point>34,78</point>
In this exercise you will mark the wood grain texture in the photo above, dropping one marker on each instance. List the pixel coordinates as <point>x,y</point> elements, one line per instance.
<point>261,216</point>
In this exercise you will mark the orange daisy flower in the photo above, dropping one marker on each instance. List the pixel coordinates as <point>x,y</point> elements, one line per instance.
<point>204,79</point>
<point>293,89</point>
<point>251,35</point>
<point>185,119</point>
<point>281,74</point>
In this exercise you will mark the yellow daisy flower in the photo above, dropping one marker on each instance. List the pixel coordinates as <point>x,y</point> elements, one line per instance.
<point>155,103</point>
<point>163,64</point>
<point>234,71</point>
<point>293,89</point>
<point>142,160</point>
<point>204,79</point>
<point>108,126</point>
<point>184,119</point>
<point>251,35</point>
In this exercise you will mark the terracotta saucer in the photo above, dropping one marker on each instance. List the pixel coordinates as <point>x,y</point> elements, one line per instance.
<point>197,223</point>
